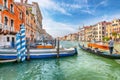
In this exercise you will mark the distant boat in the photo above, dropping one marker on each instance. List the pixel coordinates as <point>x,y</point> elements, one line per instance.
<point>48,46</point>
<point>100,53</point>
<point>8,54</point>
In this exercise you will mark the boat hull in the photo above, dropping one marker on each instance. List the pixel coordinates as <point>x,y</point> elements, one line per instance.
<point>99,53</point>
<point>41,55</point>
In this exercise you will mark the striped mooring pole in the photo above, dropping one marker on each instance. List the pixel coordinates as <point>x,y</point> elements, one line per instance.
<point>23,43</point>
<point>18,46</point>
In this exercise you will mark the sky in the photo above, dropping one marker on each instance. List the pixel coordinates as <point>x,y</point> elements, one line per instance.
<point>62,17</point>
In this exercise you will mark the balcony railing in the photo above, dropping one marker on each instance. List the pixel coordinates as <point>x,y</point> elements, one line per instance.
<point>11,29</point>
<point>5,8</point>
<point>5,27</point>
<point>0,25</point>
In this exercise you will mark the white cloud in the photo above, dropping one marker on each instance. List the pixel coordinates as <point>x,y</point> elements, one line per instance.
<point>71,6</point>
<point>52,27</point>
<point>86,7</point>
<point>49,5</point>
<point>105,17</point>
<point>102,3</point>
<point>57,28</point>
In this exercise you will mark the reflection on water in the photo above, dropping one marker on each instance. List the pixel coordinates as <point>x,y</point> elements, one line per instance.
<point>84,66</point>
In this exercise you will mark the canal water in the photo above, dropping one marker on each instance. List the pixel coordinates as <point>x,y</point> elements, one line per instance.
<point>84,66</point>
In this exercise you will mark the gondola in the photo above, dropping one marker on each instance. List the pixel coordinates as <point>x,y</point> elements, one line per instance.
<point>38,54</point>
<point>100,53</point>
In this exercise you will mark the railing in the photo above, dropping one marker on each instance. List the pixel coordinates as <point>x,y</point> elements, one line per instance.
<point>12,29</point>
<point>5,27</point>
<point>5,8</point>
<point>0,25</point>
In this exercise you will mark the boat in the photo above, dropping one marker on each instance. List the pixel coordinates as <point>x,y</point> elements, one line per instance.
<point>100,53</point>
<point>45,44</point>
<point>98,45</point>
<point>8,61</point>
<point>8,54</point>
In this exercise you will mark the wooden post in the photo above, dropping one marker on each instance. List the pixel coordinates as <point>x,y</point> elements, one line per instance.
<point>58,43</point>
<point>28,49</point>
<point>55,43</point>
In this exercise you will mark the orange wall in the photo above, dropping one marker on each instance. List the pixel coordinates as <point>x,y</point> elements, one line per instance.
<point>14,16</point>
<point>19,7</point>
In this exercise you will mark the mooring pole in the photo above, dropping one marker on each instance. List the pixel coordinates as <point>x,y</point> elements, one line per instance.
<point>58,50</point>
<point>28,49</point>
<point>55,42</point>
<point>18,46</point>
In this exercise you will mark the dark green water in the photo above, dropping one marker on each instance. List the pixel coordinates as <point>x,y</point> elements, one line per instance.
<point>84,66</point>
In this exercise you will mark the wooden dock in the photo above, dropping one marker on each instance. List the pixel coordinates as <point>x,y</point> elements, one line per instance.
<point>8,61</point>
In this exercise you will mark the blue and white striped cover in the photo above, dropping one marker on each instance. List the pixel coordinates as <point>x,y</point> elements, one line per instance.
<point>23,43</point>
<point>18,46</point>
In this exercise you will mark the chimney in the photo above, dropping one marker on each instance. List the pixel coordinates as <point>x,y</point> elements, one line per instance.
<point>21,1</point>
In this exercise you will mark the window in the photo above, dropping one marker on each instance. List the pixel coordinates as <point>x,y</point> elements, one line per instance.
<point>5,20</point>
<point>12,23</point>
<point>5,3</point>
<point>20,15</point>
<point>11,8</point>
<point>0,17</point>
<point>13,39</point>
<point>27,13</point>
<point>8,39</point>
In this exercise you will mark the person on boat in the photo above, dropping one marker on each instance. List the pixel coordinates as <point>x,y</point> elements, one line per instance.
<point>111,45</point>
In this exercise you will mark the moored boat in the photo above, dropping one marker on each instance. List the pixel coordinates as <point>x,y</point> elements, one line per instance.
<point>100,53</point>
<point>39,54</point>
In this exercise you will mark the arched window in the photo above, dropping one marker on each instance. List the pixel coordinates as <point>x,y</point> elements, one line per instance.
<point>12,23</point>
<point>20,15</point>
<point>5,3</point>
<point>11,8</point>
<point>5,20</point>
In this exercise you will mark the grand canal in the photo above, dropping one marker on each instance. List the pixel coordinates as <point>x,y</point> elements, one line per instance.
<point>84,66</point>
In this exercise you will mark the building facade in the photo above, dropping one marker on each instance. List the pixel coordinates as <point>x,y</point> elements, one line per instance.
<point>38,18</point>
<point>99,31</point>
<point>116,29</point>
<point>88,33</point>
<point>81,34</point>
<point>11,17</point>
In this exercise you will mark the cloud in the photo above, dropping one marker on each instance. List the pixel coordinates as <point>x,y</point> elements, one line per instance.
<point>49,5</point>
<point>58,28</point>
<point>102,3</point>
<point>105,17</point>
<point>70,6</point>
<point>91,9</point>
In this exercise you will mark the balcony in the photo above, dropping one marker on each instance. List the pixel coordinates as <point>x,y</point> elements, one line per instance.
<point>0,27</point>
<point>5,8</point>
<point>12,31</point>
<point>6,27</point>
